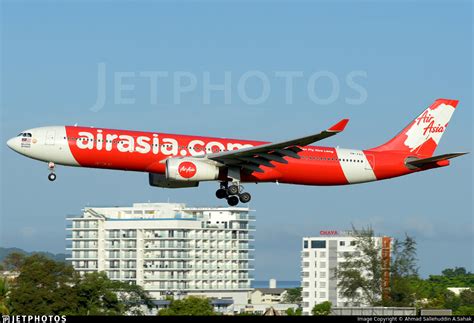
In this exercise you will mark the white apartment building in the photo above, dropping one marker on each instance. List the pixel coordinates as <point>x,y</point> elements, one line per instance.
<point>168,248</point>
<point>319,259</point>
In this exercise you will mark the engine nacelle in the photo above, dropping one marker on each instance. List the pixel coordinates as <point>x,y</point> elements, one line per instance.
<point>160,180</point>
<point>188,169</point>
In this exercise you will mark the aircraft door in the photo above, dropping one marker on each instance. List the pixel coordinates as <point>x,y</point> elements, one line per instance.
<point>371,165</point>
<point>50,137</point>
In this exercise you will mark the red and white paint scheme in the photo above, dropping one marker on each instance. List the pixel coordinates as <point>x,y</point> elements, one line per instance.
<point>176,161</point>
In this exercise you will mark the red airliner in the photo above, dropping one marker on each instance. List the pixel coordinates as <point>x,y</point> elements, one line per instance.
<point>176,161</point>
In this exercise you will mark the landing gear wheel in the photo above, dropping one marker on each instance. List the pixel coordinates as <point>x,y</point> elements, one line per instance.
<point>245,197</point>
<point>233,190</point>
<point>52,177</point>
<point>233,200</point>
<point>221,193</point>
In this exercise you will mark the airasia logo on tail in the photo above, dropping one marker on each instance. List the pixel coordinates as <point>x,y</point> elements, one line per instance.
<point>187,169</point>
<point>429,125</point>
<point>426,118</point>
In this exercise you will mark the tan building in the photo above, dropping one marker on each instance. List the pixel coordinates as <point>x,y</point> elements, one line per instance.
<point>267,295</point>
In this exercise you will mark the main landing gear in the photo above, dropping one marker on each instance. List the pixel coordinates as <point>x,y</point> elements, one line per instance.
<point>233,193</point>
<point>52,175</point>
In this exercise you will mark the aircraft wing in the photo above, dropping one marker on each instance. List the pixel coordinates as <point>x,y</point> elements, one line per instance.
<point>251,158</point>
<point>434,159</point>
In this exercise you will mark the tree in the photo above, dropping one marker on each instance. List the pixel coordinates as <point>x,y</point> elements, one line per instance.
<point>292,296</point>
<point>457,271</point>
<point>191,305</point>
<point>46,287</point>
<point>14,261</point>
<point>97,295</point>
<point>466,303</point>
<point>292,312</point>
<point>360,274</point>
<point>403,271</point>
<point>323,308</point>
<point>4,310</point>
<point>43,287</point>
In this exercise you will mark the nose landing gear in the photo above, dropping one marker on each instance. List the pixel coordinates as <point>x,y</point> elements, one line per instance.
<point>233,193</point>
<point>52,175</point>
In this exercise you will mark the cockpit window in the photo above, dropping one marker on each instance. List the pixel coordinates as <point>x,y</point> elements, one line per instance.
<point>25,134</point>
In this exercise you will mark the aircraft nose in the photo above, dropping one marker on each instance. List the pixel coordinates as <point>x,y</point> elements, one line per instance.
<point>12,143</point>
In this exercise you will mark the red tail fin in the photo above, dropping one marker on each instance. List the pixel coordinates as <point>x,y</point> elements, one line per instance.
<point>422,135</point>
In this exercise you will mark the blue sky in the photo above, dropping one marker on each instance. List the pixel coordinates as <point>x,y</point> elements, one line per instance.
<point>406,54</point>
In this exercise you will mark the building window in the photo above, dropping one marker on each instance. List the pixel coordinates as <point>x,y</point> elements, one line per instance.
<point>318,244</point>
<point>322,274</point>
<point>322,284</point>
<point>305,244</point>
<point>322,254</point>
<point>322,264</point>
<point>322,294</point>
<point>342,243</point>
<point>353,243</point>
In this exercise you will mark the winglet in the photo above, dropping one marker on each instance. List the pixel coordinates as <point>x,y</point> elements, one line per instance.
<point>338,127</point>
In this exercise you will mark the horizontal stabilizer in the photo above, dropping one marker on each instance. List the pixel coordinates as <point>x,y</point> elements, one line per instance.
<point>431,160</point>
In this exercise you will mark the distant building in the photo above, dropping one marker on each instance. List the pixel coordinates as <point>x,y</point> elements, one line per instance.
<point>319,259</point>
<point>267,295</point>
<point>9,275</point>
<point>458,290</point>
<point>374,311</point>
<point>261,309</point>
<point>168,248</point>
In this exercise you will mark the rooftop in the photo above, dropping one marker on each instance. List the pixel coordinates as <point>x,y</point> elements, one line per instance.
<point>158,211</point>
<point>271,290</point>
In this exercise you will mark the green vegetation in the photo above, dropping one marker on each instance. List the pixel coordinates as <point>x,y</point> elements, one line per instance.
<point>406,287</point>
<point>46,287</point>
<point>360,275</point>
<point>3,297</point>
<point>322,309</point>
<point>191,305</point>
<point>292,296</point>
<point>403,270</point>
<point>291,312</point>
<point>433,292</point>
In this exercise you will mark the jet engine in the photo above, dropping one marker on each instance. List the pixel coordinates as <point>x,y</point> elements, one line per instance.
<point>160,180</point>
<point>188,169</point>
